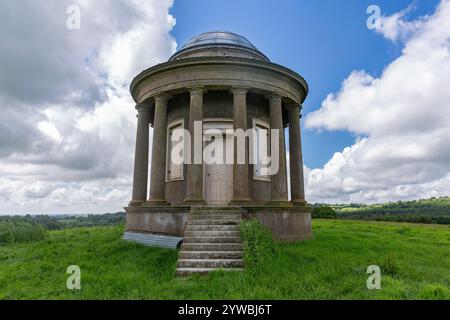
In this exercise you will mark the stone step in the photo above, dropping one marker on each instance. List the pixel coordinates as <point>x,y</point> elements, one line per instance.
<point>212,211</point>
<point>211,247</point>
<point>232,216</point>
<point>211,233</point>
<point>210,263</point>
<point>224,222</point>
<point>217,208</point>
<point>212,240</point>
<point>212,227</point>
<point>211,255</point>
<point>186,272</point>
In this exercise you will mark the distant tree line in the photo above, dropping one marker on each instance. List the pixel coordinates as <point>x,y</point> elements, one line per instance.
<point>433,211</point>
<point>399,218</point>
<point>59,222</point>
<point>17,229</point>
<point>323,212</point>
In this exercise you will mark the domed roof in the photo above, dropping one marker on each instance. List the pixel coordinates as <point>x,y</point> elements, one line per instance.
<point>219,37</point>
<point>219,43</point>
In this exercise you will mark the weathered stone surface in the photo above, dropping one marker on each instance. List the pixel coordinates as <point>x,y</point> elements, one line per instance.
<point>160,222</point>
<point>211,247</point>
<point>286,225</point>
<point>185,255</point>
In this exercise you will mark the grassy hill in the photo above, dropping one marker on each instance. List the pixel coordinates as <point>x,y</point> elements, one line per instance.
<point>414,259</point>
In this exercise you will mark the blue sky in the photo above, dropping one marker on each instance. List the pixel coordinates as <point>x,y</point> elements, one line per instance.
<point>323,40</point>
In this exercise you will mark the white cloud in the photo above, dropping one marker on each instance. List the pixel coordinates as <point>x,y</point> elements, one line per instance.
<point>68,121</point>
<point>396,27</point>
<point>402,117</point>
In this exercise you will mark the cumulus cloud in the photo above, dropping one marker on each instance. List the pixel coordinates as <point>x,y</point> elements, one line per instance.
<point>396,28</point>
<point>402,119</point>
<point>68,124</point>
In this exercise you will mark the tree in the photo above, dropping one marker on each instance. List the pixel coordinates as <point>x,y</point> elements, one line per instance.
<point>323,212</point>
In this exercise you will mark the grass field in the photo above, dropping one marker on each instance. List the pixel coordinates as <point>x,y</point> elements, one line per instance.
<point>415,263</point>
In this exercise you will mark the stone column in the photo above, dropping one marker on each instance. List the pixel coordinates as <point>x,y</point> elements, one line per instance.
<point>241,194</point>
<point>158,172</point>
<point>279,193</point>
<point>296,158</point>
<point>194,192</point>
<point>140,177</point>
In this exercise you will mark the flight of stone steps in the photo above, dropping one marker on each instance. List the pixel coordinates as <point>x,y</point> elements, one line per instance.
<point>211,241</point>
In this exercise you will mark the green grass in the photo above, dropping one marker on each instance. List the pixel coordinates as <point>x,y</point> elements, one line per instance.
<point>415,263</point>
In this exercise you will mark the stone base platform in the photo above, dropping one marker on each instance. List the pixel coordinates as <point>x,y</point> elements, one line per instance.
<point>163,220</point>
<point>287,223</point>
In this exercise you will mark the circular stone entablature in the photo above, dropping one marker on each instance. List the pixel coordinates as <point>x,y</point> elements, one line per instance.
<point>218,61</point>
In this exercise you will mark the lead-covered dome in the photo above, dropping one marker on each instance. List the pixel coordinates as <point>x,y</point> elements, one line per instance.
<point>219,44</point>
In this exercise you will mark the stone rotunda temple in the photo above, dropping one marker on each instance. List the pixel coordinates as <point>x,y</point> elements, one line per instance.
<point>220,80</point>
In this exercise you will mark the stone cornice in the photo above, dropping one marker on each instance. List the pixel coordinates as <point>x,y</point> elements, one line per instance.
<point>219,61</point>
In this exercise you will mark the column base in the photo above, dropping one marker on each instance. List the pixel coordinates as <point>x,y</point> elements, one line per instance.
<point>299,203</point>
<point>136,203</point>
<point>279,203</point>
<point>157,203</point>
<point>194,201</point>
<point>240,201</point>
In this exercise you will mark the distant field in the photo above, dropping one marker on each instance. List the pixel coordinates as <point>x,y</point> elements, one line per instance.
<point>415,262</point>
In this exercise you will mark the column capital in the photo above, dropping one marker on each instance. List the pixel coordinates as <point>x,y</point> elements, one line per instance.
<point>197,91</point>
<point>162,96</point>
<point>274,97</point>
<point>142,106</point>
<point>293,105</point>
<point>239,90</point>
